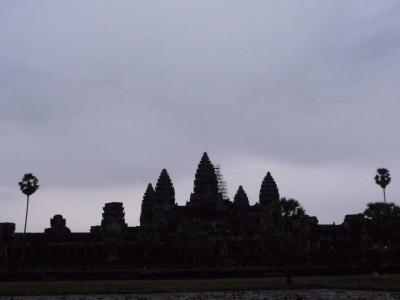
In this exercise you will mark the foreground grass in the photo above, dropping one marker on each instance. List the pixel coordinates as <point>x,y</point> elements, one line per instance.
<point>389,282</point>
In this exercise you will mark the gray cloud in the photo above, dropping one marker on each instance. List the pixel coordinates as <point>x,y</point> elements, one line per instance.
<point>97,96</point>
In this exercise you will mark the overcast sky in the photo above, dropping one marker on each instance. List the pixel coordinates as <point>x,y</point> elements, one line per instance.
<point>96,97</point>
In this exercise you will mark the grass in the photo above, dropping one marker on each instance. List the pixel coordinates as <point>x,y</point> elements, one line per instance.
<point>388,282</point>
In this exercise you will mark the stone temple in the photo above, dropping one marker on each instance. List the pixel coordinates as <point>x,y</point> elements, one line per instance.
<point>208,235</point>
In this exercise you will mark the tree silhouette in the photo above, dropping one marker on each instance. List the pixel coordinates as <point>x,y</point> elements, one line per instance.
<point>286,232</point>
<point>382,178</point>
<point>383,220</point>
<point>28,185</point>
<point>383,227</point>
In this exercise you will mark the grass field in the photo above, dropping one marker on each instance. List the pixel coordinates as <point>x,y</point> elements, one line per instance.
<point>384,282</point>
<point>388,282</point>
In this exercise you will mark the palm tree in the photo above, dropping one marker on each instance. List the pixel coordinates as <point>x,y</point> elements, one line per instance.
<point>28,185</point>
<point>382,178</point>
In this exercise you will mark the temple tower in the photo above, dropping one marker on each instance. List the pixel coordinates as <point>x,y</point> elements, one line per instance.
<point>164,191</point>
<point>113,217</point>
<point>269,193</point>
<point>146,214</point>
<point>159,203</point>
<point>58,225</point>
<point>206,189</point>
<point>241,198</point>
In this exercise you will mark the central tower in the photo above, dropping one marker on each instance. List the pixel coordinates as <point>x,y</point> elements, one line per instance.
<point>205,191</point>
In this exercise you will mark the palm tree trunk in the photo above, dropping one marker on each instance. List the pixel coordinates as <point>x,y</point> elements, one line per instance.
<point>384,195</point>
<point>23,237</point>
<point>26,214</point>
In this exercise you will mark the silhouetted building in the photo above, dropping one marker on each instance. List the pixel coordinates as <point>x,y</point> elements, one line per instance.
<point>146,214</point>
<point>240,198</point>
<point>269,191</point>
<point>209,232</point>
<point>57,226</point>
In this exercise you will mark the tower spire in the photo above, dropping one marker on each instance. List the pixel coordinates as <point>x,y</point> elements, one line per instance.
<point>146,214</point>
<point>164,191</point>
<point>269,192</point>
<point>205,183</point>
<point>241,198</point>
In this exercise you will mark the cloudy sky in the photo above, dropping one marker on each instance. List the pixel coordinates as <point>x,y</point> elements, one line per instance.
<point>96,97</point>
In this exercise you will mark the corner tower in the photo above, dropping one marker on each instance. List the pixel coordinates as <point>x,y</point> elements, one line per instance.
<point>146,214</point>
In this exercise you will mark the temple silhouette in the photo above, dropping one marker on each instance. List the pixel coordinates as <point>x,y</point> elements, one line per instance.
<point>208,235</point>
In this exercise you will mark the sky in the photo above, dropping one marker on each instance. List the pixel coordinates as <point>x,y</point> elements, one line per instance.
<point>96,97</point>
